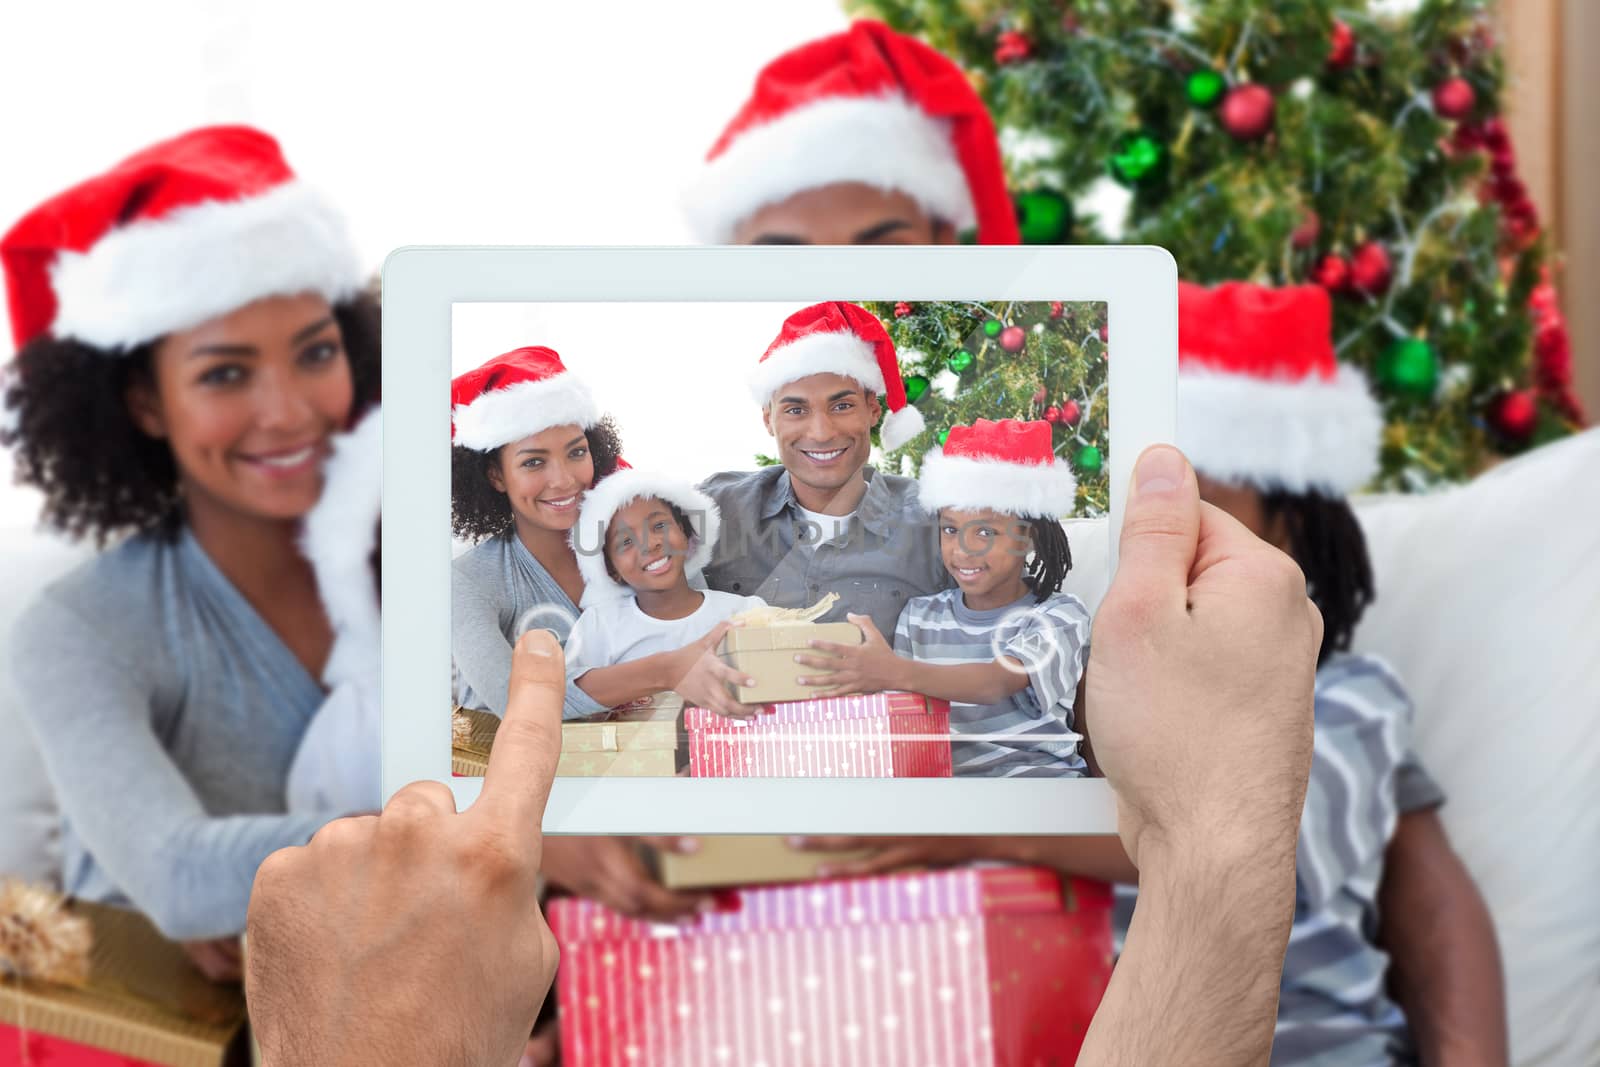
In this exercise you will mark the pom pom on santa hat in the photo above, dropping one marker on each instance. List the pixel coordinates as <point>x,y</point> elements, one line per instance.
<point>1262,399</point>
<point>1008,466</point>
<point>868,105</point>
<point>182,232</point>
<point>846,339</point>
<point>515,395</point>
<point>615,492</point>
<point>340,539</point>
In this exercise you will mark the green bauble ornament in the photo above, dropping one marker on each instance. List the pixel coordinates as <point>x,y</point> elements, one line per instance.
<point>1089,460</point>
<point>960,361</point>
<point>942,435</point>
<point>1135,157</point>
<point>1409,368</point>
<point>993,327</point>
<point>1204,88</point>
<point>1044,216</point>
<point>916,385</point>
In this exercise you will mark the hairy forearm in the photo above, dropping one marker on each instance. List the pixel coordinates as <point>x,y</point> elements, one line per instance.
<point>1198,979</point>
<point>964,683</point>
<point>1444,965</point>
<point>1083,856</point>
<point>621,682</point>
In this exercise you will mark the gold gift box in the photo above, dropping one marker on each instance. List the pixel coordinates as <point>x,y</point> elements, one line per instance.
<point>144,999</point>
<point>732,859</point>
<point>766,653</point>
<point>639,740</point>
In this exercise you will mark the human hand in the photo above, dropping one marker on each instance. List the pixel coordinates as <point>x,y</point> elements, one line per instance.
<point>708,682</point>
<point>1205,643</point>
<point>870,667</point>
<point>610,870</point>
<point>218,959</point>
<point>887,854</point>
<point>414,936</point>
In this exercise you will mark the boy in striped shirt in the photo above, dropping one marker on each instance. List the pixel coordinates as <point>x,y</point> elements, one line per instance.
<point>1005,647</point>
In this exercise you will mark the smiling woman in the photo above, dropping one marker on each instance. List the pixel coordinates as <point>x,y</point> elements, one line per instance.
<point>191,334</point>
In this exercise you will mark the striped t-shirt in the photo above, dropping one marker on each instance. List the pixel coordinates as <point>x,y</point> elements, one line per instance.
<point>1031,732</point>
<point>1332,1009</point>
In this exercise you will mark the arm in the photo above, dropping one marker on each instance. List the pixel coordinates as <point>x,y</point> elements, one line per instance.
<point>188,870</point>
<point>482,652</point>
<point>873,667</point>
<point>1444,960</point>
<point>693,672</point>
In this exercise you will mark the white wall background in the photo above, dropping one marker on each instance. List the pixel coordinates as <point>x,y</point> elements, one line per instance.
<point>472,122</point>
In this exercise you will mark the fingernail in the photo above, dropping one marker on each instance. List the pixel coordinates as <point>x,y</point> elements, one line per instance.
<point>537,642</point>
<point>749,683</point>
<point>797,841</point>
<point>706,905</point>
<point>525,1061</point>
<point>688,844</point>
<point>824,871</point>
<point>1159,470</point>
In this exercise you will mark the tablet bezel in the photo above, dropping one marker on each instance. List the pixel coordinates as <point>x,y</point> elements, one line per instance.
<point>420,287</point>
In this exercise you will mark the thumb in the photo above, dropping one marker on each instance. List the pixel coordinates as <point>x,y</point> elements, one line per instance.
<point>1160,530</point>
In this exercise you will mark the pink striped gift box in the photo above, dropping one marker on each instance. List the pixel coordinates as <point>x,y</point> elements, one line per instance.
<point>874,735</point>
<point>977,967</point>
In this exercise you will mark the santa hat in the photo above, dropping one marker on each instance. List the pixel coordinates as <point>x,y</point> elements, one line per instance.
<point>617,491</point>
<point>839,338</point>
<point>516,395</point>
<point>1009,466</point>
<point>179,233</point>
<point>339,537</point>
<point>867,105</point>
<point>1262,399</point>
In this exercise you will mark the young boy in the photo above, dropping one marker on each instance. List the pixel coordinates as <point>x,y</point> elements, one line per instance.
<point>1005,646</point>
<point>639,539</point>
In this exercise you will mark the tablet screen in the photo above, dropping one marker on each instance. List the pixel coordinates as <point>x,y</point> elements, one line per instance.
<point>841,518</point>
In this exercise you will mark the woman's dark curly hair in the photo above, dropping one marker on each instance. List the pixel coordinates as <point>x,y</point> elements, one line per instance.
<point>1052,558</point>
<point>75,438</point>
<point>479,511</point>
<point>1326,540</point>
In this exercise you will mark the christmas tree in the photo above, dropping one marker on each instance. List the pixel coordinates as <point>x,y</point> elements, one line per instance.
<point>1353,145</point>
<point>966,360</point>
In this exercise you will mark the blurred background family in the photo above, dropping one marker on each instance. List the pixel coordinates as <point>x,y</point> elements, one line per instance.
<point>1377,375</point>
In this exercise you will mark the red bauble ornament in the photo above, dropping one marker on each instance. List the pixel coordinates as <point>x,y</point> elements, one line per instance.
<point>1040,396</point>
<point>1514,415</point>
<point>1305,234</point>
<point>1371,270</point>
<point>1495,138</point>
<point>1105,333</point>
<point>1552,349</point>
<point>1069,411</point>
<point>1341,46</point>
<point>1332,273</point>
<point>1055,309</point>
<point>1454,98</point>
<point>1052,414</point>
<point>1013,338</point>
<point>1247,111</point>
<point>902,309</point>
<point>1012,47</point>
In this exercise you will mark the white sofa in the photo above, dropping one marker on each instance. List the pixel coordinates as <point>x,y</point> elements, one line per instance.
<point>1489,607</point>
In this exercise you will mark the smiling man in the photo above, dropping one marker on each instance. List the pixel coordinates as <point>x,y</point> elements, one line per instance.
<point>861,138</point>
<point>824,521</point>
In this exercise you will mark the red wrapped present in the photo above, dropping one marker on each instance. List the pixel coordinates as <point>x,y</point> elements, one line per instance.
<point>976,967</point>
<point>873,735</point>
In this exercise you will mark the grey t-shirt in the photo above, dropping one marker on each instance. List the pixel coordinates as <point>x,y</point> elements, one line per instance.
<point>167,713</point>
<point>888,554</point>
<point>498,592</point>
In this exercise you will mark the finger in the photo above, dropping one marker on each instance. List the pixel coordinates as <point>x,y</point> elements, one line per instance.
<point>421,800</point>
<point>833,648</point>
<point>826,663</point>
<point>1222,537</point>
<point>729,676</point>
<point>1160,531</point>
<point>528,742</point>
<point>720,630</point>
<point>683,846</point>
<point>868,628</point>
<point>832,842</point>
<point>882,862</point>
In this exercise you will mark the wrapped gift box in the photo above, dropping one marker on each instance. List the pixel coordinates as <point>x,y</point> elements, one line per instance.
<point>766,653</point>
<point>876,735</point>
<point>978,967</point>
<point>638,740</point>
<point>144,1005</point>
<point>733,859</point>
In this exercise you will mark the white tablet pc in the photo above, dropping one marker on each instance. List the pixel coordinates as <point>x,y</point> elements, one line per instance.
<point>666,341</point>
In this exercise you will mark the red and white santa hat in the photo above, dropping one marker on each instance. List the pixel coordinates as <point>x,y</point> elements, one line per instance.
<point>867,105</point>
<point>1008,466</point>
<point>839,338</point>
<point>1262,399</point>
<point>615,492</point>
<point>338,539</point>
<point>516,395</point>
<point>182,232</point>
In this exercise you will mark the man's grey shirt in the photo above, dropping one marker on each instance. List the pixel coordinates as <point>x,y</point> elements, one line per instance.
<point>886,556</point>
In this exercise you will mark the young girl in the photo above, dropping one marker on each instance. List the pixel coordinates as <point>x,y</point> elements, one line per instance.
<point>192,332</point>
<point>639,540</point>
<point>1005,646</point>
